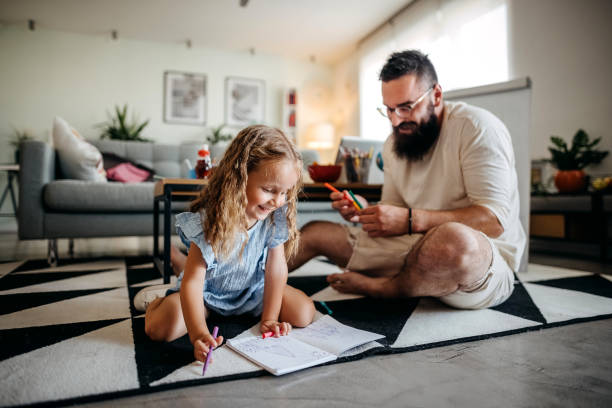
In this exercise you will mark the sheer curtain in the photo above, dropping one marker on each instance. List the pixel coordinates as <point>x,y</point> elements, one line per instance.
<point>466,40</point>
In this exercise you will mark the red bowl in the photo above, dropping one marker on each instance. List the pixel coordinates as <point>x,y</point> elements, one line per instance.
<point>322,174</point>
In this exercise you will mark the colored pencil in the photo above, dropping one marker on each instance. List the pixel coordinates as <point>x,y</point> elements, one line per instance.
<point>214,334</point>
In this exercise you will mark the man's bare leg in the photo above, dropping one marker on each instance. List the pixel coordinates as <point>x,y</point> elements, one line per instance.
<point>448,257</point>
<point>322,238</point>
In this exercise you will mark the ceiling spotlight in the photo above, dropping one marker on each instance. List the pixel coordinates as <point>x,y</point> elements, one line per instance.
<point>252,50</point>
<point>114,35</point>
<point>188,43</point>
<point>31,25</point>
<point>313,59</point>
<point>243,3</point>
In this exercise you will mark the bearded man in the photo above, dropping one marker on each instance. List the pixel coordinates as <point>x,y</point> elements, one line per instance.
<point>447,224</point>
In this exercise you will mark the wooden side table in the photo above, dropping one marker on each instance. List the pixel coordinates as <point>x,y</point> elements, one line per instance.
<point>318,191</point>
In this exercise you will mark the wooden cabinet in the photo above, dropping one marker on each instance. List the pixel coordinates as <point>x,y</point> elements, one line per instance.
<point>580,217</point>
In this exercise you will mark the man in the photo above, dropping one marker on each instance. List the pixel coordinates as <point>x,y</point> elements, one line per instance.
<point>448,222</point>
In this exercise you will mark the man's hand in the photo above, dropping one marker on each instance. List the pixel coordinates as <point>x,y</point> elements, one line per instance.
<point>384,220</point>
<point>342,203</point>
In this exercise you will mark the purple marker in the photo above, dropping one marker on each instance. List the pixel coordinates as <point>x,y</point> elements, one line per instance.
<point>214,334</point>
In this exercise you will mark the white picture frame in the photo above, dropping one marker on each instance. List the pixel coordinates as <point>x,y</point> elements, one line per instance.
<point>184,98</point>
<point>244,101</point>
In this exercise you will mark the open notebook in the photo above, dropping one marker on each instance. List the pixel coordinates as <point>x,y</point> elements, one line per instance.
<point>324,340</point>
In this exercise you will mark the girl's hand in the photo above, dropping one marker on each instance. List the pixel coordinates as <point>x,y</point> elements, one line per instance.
<point>277,328</point>
<point>202,345</point>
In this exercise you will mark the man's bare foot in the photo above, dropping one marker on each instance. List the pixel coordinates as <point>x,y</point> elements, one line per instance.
<point>353,282</point>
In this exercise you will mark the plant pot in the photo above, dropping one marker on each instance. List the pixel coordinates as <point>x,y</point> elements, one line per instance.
<point>570,181</point>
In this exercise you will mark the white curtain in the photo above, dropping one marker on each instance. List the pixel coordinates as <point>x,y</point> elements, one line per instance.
<point>466,40</point>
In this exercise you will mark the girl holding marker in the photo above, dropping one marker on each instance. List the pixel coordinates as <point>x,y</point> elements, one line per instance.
<point>240,233</point>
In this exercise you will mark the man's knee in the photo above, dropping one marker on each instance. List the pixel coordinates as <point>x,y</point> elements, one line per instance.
<point>314,234</point>
<point>457,245</point>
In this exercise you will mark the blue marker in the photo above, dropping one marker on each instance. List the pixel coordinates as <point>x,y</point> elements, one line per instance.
<point>329,311</point>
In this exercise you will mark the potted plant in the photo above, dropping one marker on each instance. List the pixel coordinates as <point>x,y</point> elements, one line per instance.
<point>117,127</point>
<point>18,137</point>
<point>218,141</point>
<point>570,176</point>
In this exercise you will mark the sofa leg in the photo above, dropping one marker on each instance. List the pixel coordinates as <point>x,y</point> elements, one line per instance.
<point>52,252</point>
<point>71,248</point>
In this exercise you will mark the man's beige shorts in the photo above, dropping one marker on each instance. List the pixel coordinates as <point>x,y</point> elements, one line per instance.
<point>388,254</point>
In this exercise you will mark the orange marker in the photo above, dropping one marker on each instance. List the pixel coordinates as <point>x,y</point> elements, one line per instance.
<point>332,188</point>
<point>346,195</point>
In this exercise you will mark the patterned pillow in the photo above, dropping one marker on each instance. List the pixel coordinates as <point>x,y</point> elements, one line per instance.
<point>77,158</point>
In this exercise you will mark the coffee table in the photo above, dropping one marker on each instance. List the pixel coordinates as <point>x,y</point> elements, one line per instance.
<point>166,190</point>
<point>179,189</point>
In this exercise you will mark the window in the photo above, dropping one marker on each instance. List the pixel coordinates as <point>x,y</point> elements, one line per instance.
<point>466,41</point>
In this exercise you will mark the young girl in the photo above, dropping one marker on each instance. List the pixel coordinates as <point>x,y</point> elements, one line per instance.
<point>240,231</point>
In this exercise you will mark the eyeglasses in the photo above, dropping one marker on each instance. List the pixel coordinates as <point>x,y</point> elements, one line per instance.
<point>402,111</point>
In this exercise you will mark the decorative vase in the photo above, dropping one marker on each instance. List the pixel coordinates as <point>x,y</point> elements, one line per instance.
<point>570,181</point>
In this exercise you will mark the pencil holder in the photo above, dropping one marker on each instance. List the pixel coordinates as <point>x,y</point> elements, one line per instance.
<point>357,169</point>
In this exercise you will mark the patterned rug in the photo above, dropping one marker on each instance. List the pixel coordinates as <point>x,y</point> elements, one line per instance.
<point>70,334</point>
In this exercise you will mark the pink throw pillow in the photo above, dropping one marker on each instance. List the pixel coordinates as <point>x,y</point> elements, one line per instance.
<point>127,173</point>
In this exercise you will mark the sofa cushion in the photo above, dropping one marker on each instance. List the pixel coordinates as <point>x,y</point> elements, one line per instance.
<point>78,159</point>
<point>83,196</point>
<point>164,159</point>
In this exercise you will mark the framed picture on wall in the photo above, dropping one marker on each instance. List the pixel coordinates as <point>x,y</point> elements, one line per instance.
<point>244,101</point>
<point>184,98</point>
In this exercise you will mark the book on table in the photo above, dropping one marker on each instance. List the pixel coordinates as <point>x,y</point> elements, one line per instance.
<point>322,341</point>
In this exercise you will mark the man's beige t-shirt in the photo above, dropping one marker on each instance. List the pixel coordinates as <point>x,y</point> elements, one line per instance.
<point>472,163</point>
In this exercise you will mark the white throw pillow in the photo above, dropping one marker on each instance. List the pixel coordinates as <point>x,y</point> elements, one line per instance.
<point>78,159</point>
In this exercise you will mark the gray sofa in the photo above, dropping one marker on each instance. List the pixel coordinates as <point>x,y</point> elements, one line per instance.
<point>53,207</point>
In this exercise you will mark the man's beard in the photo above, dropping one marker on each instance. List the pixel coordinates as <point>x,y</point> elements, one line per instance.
<point>415,145</point>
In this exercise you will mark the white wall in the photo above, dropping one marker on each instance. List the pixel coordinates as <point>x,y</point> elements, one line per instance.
<point>564,46</point>
<point>79,77</point>
<point>48,73</point>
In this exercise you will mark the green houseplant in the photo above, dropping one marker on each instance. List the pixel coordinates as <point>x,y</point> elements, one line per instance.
<point>570,162</point>
<point>216,135</point>
<point>118,128</point>
<point>218,141</point>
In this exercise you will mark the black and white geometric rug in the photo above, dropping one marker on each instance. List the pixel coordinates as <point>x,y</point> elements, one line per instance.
<point>70,334</point>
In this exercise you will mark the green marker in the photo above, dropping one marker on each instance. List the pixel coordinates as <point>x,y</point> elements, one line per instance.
<point>355,199</point>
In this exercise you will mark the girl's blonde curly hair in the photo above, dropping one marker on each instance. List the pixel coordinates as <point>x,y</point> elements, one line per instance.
<point>224,199</point>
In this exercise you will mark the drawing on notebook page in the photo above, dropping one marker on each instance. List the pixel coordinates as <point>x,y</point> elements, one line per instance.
<point>270,347</point>
<point>324,340</point>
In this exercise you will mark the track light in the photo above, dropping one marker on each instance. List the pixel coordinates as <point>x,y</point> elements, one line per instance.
<point>31,25</point>
<point>243,3</point>
<point>114,35</point>
<point>188,43</point>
